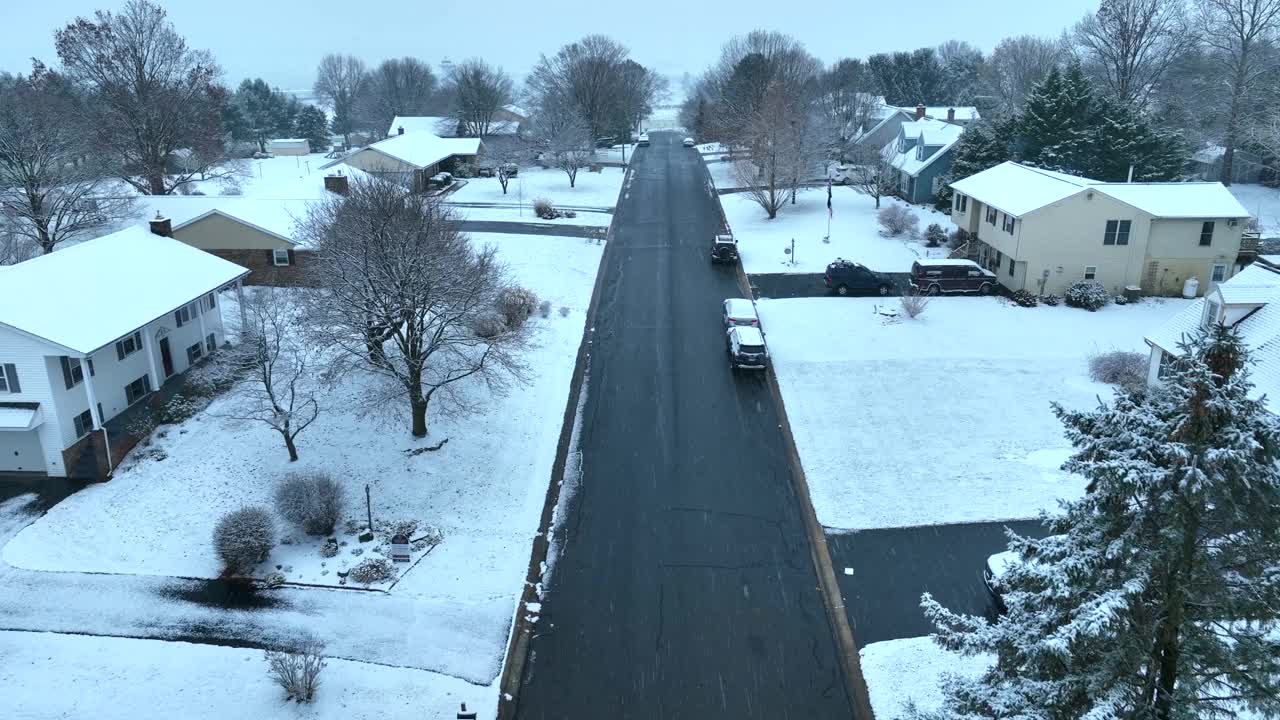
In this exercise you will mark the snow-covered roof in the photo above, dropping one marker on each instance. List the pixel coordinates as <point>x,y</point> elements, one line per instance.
<point>1018,189</point>
<point>929,133</point>
<point>1210,153</point>
<point>14,416</point>
<point>305,187</point>
<point>80,298</point>
<point>435,124</point>
<point>964,113</point>
<point>276,217</point>
<point>516,110</point>
<point>1259,330</point>
<point>419,149</point>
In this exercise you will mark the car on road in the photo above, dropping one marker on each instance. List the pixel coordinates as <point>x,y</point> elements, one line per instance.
<point>746,348</point>
<point>606,142</point>
<point>845,277</point>
<point>740,312</point>
<point>842,174</point>
<point>643,140</point>
<point>724,248</point>
<point>935,276</point>
<point>688,142</point>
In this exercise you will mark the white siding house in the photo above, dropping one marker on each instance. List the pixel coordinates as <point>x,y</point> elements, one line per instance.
<point>90,331</point>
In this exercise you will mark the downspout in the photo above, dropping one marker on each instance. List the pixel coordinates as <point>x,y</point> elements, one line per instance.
<point>92,396</point>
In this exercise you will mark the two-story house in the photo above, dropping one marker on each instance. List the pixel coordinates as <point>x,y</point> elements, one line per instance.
<point>886,119</point>
<point>921,156</point>
<point>1041,231</point>
<point>89,333</point>
<point>1249,302</point>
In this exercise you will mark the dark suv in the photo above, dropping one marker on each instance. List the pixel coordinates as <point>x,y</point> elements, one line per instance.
<point>951,276</point>
<point>844,277</point>
<point>724,248</point>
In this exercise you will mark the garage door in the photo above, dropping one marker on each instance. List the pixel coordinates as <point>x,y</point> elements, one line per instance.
<point>21,452</point>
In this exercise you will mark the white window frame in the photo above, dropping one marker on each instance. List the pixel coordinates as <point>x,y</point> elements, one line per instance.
<point>1090,272</point>
<point>1219,273</point>
<point>192,359</point>
<point>82,430</point>
<point>275,257</point>
<point>135,339</point>
<point>1211,311</point>
<point>206,303</point>
<point>182,315</point>
<point>146,389</point>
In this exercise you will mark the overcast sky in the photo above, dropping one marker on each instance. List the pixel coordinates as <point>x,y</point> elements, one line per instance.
<point>282,40</point>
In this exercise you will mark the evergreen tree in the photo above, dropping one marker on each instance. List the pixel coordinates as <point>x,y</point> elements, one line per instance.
<point>1120,139</point>
<point>267,112</point>
<point>314,126</point>
<point>1156,596</point>
<point>1054,126</point>
<point>983,145</point>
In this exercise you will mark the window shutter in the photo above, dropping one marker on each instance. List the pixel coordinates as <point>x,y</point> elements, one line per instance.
<point>146,382</point>
<point>177,317</point>
<point>89,362</point>
<point>11,372</point>
<point>66,372</point>
<point>119,349</point>
<point>137,340</point>
<point>213,301</point>
<point>271,257</point>
<point>291,258</point>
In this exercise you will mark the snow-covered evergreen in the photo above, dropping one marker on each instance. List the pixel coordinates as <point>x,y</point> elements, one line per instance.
<point>1157,594</point>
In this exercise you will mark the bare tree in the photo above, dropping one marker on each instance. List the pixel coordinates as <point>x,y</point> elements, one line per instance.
<point>400,86</point>
<point>280,368</point>
<point>848,103</point>
<point>478,91</point>
<point>872,175</point>
<point>151,95</point>
<point>14,248</point>
<point>1238,33</point>
<point>50,178</point>
<point>505,158</point>
<point>566,137</point>
<point>406,297</point>
<point>1017,64</point>
<point>777,153</point>
<point>640,90</point>
<point>585,76</point>
<point>1129,44</point>
<point>342,80</point>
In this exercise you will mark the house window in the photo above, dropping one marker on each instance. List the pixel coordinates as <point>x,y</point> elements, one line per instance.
<point>1206,234</point>
<point>138,389</point>
<point>83,423</point>
<point>1011,264</point>
<point>194,353</point>
<point>964,202</point>
<point>207,303</point>
<point>1090,272</point>
<point>1008,224</point>
<point>280,257</point>
<point>210,343</point>
<point>1219,273</point>
<point>72,371</point>
<point>1117,232</point>
<point>1211,310</point>
<point>9,378</point>
<point>182,315</point>
<point>991,215</point>
<point>129,345</point>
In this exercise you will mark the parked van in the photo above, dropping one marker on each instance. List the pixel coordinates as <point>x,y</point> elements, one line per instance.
<point>951,276</point>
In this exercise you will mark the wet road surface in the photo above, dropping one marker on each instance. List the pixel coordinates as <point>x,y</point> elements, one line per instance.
<point>685,587</point>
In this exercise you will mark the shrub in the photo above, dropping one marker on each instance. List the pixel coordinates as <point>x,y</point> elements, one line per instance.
<point>516,304</point>
<point>1087,294</point>
<point>914,303</point>
<point>543,208</point>
<point>244,538</point>
<point>898,220</point>
<point>564,311</point>
<point>544,308</point>
<point>312,501</point>
<point>297,671</point>
<point>958,238</point>
<point>1024,298</point>
<point>1051,300</point>
<point>1126,369</point>
<point>488,326</point>
<point>1120,299</point>
<point>934,235</point>
<point>373,570</point>
<point>464,170</point>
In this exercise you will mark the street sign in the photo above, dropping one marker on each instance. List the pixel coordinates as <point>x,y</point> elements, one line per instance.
<point>400,548</point>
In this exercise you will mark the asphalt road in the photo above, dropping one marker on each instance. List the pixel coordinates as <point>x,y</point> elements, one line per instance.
<point>685,587</point>
<point>892,568</point>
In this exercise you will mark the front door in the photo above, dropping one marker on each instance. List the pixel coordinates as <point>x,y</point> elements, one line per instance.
<point>166,357</point>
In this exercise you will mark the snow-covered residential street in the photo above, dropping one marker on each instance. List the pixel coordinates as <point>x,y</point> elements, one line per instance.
<point>895,419</point>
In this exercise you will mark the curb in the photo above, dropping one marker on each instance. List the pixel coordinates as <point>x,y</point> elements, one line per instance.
<point>521,629</point>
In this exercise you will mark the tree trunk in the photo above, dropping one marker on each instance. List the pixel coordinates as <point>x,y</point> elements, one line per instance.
<point>1169,639</point>
<point>293,449</point>
<point>419,407</point>
<point>155,181</point>
<point>46,243</point>
<point>877,201</point>
<point>1233,122</point>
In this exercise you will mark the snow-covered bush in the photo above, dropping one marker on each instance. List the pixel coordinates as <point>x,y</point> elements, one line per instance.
<point>297,670</point>
<point>934,235</point>
<point>464,170</point>
<point>958,238</point>
<point>312,501</point>
<point>373,570</point>
<point>1052,300</point>
<point>1120,299</point>
<point>244,538</point>
<point>544,309</point>
<point>516,304</point>
<point>1126,369</point>
<point>898,220</point>
<point>914,303</point>
<point>543,208</point>
<point>1087,294</point>
<point>564,311</point>
<point>488,326</point>
<point>1024,298</point>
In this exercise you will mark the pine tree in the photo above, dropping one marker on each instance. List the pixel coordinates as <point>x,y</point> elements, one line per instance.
<point>1156,596</point>
<point>267,113</point>
<point>1121,139</point>
<point>983,144</point>
<point>1054,126</point>
<point>312,125</point>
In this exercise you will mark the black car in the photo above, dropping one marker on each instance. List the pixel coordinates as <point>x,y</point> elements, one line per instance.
<point>724,248</point>
<point>845,277</point>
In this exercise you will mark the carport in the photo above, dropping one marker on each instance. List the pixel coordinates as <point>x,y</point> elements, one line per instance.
<point>20,449</point>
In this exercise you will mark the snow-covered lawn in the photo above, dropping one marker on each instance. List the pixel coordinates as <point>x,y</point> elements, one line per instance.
<point>484,489</point>
<point>1264,203</point>
<point>260,175</point>
<point>47,675</point>
<point>942,419</point>
<point>590,189</point>
<point>855,235</point>
<point>899,672</point>
<point>524,214</point>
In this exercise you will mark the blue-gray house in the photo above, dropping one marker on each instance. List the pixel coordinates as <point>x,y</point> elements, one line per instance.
<point>921,156</point>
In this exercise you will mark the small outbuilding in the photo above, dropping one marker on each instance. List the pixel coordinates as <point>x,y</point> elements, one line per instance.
<point>289,146</point>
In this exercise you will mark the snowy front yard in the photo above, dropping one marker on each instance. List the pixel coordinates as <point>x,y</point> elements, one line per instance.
<point>942,419</point>
<point>900,673</point>
<point>47,675</point>
<point>855,234</point>
<point>595,190</point>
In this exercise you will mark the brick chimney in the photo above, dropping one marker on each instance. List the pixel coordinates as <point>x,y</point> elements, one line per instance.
<point>336,183</point>
<point>919,112</point>
<point>162,226</point>
<point>951,115</point>
<point>400,130</point>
